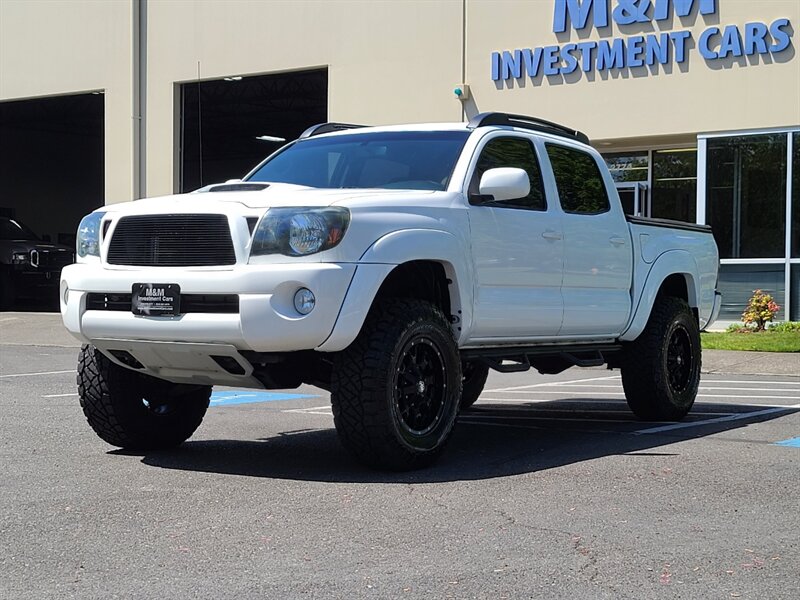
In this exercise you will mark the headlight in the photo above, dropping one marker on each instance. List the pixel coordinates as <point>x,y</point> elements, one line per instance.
<point>89,235</point>
<point>20,258</point>
<point>300,231</point>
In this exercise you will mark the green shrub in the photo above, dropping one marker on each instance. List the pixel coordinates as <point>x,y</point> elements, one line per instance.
<point>760,310</point>
<point>786,326</point>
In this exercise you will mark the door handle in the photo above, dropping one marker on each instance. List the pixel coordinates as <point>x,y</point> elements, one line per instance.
<point>617,241</point>
<point>550,234</point>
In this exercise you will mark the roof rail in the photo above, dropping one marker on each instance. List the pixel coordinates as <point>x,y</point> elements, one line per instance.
<point>326,128</point>
<point>525,122</point>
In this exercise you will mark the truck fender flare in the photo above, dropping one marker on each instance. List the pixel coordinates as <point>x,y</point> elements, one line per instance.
<point>672,262</point>
<point>382,257</point>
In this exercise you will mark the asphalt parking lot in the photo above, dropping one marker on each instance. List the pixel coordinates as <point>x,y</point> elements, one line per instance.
<point>549,488</point>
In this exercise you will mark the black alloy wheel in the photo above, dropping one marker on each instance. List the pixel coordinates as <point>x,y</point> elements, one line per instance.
<point>420,386</point>
<point>680,361</point>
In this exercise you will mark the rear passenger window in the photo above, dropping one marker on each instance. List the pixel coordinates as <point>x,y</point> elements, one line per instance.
<point>581,188</point>
<point>512,152</point>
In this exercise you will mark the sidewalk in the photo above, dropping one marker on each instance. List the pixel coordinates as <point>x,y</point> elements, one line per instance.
<point>45,329</point>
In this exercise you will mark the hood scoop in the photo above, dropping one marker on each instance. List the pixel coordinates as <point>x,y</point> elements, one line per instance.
<point>238,187</point>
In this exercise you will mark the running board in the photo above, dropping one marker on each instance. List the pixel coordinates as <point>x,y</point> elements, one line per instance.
<point>545,359</point>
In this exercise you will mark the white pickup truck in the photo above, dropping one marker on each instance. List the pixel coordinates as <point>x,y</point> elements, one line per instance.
<point>393,266</point>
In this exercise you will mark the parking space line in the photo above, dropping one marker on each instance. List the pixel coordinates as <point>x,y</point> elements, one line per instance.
<point>551,383</point>
<point>567,392</point>
<point>41,373</point>
<point>753,382</point>
<point>312,410</point>
<point>706,388</point>
<point>595,418</point>
<point>59,395</point>
<point>738,417</point>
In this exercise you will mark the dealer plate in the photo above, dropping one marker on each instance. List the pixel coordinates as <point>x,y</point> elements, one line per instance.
<point>156,299</point>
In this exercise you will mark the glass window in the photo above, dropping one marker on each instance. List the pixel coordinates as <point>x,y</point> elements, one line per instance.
<point>674,193</point>
<point>796,196</point>
<point>795,294</point>
<point>413,160</point>
<point>746,195</point>
<point>581,188</point>
<point>627,166</point>
<point>512,152</point>
<point>738,282</point>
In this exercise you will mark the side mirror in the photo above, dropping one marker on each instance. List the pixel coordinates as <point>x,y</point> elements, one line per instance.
<point>504,183</point>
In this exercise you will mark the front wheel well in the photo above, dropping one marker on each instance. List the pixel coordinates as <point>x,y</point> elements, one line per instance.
<point>420,280</point>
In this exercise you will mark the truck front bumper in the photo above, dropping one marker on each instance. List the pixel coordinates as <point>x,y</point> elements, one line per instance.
<point>187,348</point>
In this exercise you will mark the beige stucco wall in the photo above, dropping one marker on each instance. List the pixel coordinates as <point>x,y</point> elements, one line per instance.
<point>53,47</point>
<point>388,62</point>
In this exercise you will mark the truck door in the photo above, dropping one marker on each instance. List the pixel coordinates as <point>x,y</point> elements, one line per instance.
<point>598,263</point>
<point>517,251</point>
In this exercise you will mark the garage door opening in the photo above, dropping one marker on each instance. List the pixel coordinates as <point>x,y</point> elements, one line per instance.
<point>221,121</point>
<point>51,162</point>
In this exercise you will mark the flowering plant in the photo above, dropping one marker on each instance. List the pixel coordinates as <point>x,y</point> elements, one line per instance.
<point>760,310</point>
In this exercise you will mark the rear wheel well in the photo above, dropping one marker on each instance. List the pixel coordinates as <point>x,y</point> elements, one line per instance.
<point>421,280</point>
<point>675,286</point>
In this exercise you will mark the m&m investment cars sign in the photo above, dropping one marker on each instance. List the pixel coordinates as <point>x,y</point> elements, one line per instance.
<point>715,43</point>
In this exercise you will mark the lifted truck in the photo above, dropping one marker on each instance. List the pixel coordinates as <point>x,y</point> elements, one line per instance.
<point>393,266</point>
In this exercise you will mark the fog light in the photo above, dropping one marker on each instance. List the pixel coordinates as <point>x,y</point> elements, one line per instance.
<point>304,301</point>
<point>65,292</point>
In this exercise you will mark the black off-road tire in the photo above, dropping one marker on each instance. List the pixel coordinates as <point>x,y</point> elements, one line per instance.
<point>661,369</point>
<point>396,389</point>
<point>134,411</point>
<point>474,376</point>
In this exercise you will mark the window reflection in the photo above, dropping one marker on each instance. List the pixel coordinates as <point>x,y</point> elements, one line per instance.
<point>746,195</point>
<point>674,194</point>
<point>627,166</point>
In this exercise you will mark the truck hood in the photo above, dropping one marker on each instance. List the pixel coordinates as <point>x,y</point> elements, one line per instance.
<point>275,194</point>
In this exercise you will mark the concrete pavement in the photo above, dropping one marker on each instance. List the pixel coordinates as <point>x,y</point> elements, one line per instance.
<point>45,329</point>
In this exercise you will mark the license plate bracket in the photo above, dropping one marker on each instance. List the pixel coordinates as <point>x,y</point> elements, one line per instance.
<point>156,299</point>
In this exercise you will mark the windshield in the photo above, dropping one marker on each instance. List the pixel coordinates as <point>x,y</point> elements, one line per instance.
<point>14,230</point>
<point>409,160</point>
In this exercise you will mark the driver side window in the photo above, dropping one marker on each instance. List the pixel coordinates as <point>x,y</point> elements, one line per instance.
<point>512,152</point>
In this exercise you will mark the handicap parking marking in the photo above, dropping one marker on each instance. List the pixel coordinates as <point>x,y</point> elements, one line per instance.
<point>232,397</point>
<point>790,443</point>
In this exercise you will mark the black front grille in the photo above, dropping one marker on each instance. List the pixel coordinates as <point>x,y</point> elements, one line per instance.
<point>190,303</point>
<point>172,241</point>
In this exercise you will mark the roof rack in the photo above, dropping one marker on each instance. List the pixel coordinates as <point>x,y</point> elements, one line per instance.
<point>525,122</point>
<point>327,128</point>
